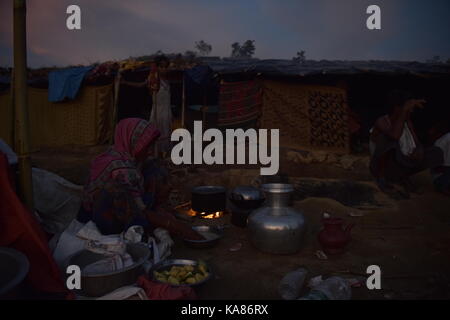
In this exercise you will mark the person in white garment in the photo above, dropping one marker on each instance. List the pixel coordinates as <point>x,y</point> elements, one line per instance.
<point>440,137</point>
<point>161,115</point>
<point>395,150</point>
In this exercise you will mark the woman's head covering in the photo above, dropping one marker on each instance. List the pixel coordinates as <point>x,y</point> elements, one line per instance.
<point>134,136</point>
<point>132,140</point>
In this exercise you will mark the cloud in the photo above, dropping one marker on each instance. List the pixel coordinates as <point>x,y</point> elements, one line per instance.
<point>331,29</point>
<point>325,29</point>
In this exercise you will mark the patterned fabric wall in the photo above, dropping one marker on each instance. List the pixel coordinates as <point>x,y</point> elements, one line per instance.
<point>309,117</point>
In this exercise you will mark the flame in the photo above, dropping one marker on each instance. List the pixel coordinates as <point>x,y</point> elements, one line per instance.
<point>192,213</point>
<point>204,215</point>
<point>217,214</point>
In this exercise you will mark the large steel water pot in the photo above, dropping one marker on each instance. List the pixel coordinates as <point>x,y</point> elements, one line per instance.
<point>275,227</point>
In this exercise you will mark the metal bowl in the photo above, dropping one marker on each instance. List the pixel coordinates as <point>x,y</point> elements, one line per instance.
<point>207,243</point>
<point>246,193</point>
<point>14,267</point>
<point>167,264</point>
<point>95,285</point>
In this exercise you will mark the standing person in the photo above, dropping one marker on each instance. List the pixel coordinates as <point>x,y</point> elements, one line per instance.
<point>396,152</point>
<point>161,115</point>
<point>126,189</point>
<point>440,137</point>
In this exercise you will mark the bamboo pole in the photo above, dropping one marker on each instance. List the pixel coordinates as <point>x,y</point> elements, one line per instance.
<point>117,80</point>
<point>155,110</point>
<point>21,103</point>
<point>204,108</point>
<point>13,117</point>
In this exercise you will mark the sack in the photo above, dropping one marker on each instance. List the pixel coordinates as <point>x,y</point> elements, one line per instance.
<point>56,199</point>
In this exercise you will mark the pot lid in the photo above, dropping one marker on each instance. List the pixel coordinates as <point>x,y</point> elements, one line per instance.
<point>277,188</point>
<point>209,189</point>
<point>246,193</point>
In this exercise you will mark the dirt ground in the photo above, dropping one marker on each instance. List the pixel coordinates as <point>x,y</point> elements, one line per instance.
<point>408,239</point>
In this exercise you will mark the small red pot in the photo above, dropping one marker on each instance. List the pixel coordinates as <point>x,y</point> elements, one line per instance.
<point>333,237</point>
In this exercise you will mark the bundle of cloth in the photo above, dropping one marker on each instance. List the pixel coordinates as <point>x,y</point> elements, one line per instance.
<point>79,236</point>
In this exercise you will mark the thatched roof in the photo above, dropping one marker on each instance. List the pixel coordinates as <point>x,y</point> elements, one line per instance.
<point>273,67</point>
<point>311,67</point>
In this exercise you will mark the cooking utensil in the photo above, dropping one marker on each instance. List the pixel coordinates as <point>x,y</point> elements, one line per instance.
<point>14,267</point>
<point>239,217</point>
<point>167,264</point>
<point>334,237</point>
<point>95,285</point>
<point>211,234</point>
<point>276,227</point>
<point>246,197</point>
<point>208,199</point>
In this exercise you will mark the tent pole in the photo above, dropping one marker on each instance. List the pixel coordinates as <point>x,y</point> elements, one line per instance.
<point>155,110</point>
<point>115,104</point>
<point>204,108</point>
<point>13,116</point>
<point>183,103</point>
<point>21,103</point>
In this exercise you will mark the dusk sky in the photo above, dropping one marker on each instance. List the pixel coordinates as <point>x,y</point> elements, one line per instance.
<point>325,29</point>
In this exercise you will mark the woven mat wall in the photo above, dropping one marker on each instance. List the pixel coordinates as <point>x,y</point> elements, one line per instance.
<point>86,120</point>
<point>309,117</point>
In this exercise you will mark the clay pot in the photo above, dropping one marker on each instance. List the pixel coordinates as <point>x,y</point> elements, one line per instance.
<point>333,237</point>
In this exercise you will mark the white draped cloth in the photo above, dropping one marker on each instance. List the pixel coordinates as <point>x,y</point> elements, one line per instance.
<point>407,143</point>
<point>444,144</point>
<point>161,116</point>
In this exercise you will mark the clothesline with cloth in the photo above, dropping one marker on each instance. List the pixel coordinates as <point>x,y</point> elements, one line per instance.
<point>65,83</point>
<point>239,102</point>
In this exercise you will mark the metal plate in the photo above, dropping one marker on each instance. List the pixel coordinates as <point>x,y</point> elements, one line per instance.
<point>207,243</point>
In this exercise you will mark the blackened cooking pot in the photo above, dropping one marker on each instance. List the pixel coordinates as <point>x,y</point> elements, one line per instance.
<point>209,199</point>
<point>246,197</point>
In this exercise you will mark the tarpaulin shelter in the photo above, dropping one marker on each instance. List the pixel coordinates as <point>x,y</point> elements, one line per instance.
<point>309,101</point>
<point>315,103</point>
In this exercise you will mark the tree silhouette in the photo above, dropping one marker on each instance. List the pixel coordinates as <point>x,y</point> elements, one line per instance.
<point>236,50</point>
<point>300,57</point>
<point>248,48</point>
<point>435,59</point>
<point>203,48</point>
<point>245,51</point>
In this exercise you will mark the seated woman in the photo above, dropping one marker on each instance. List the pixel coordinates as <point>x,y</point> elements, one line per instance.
<point>396,152</point>
<point>125,189</point>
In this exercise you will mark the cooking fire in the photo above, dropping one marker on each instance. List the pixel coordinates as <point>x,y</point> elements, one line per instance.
<point>205,215</point>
